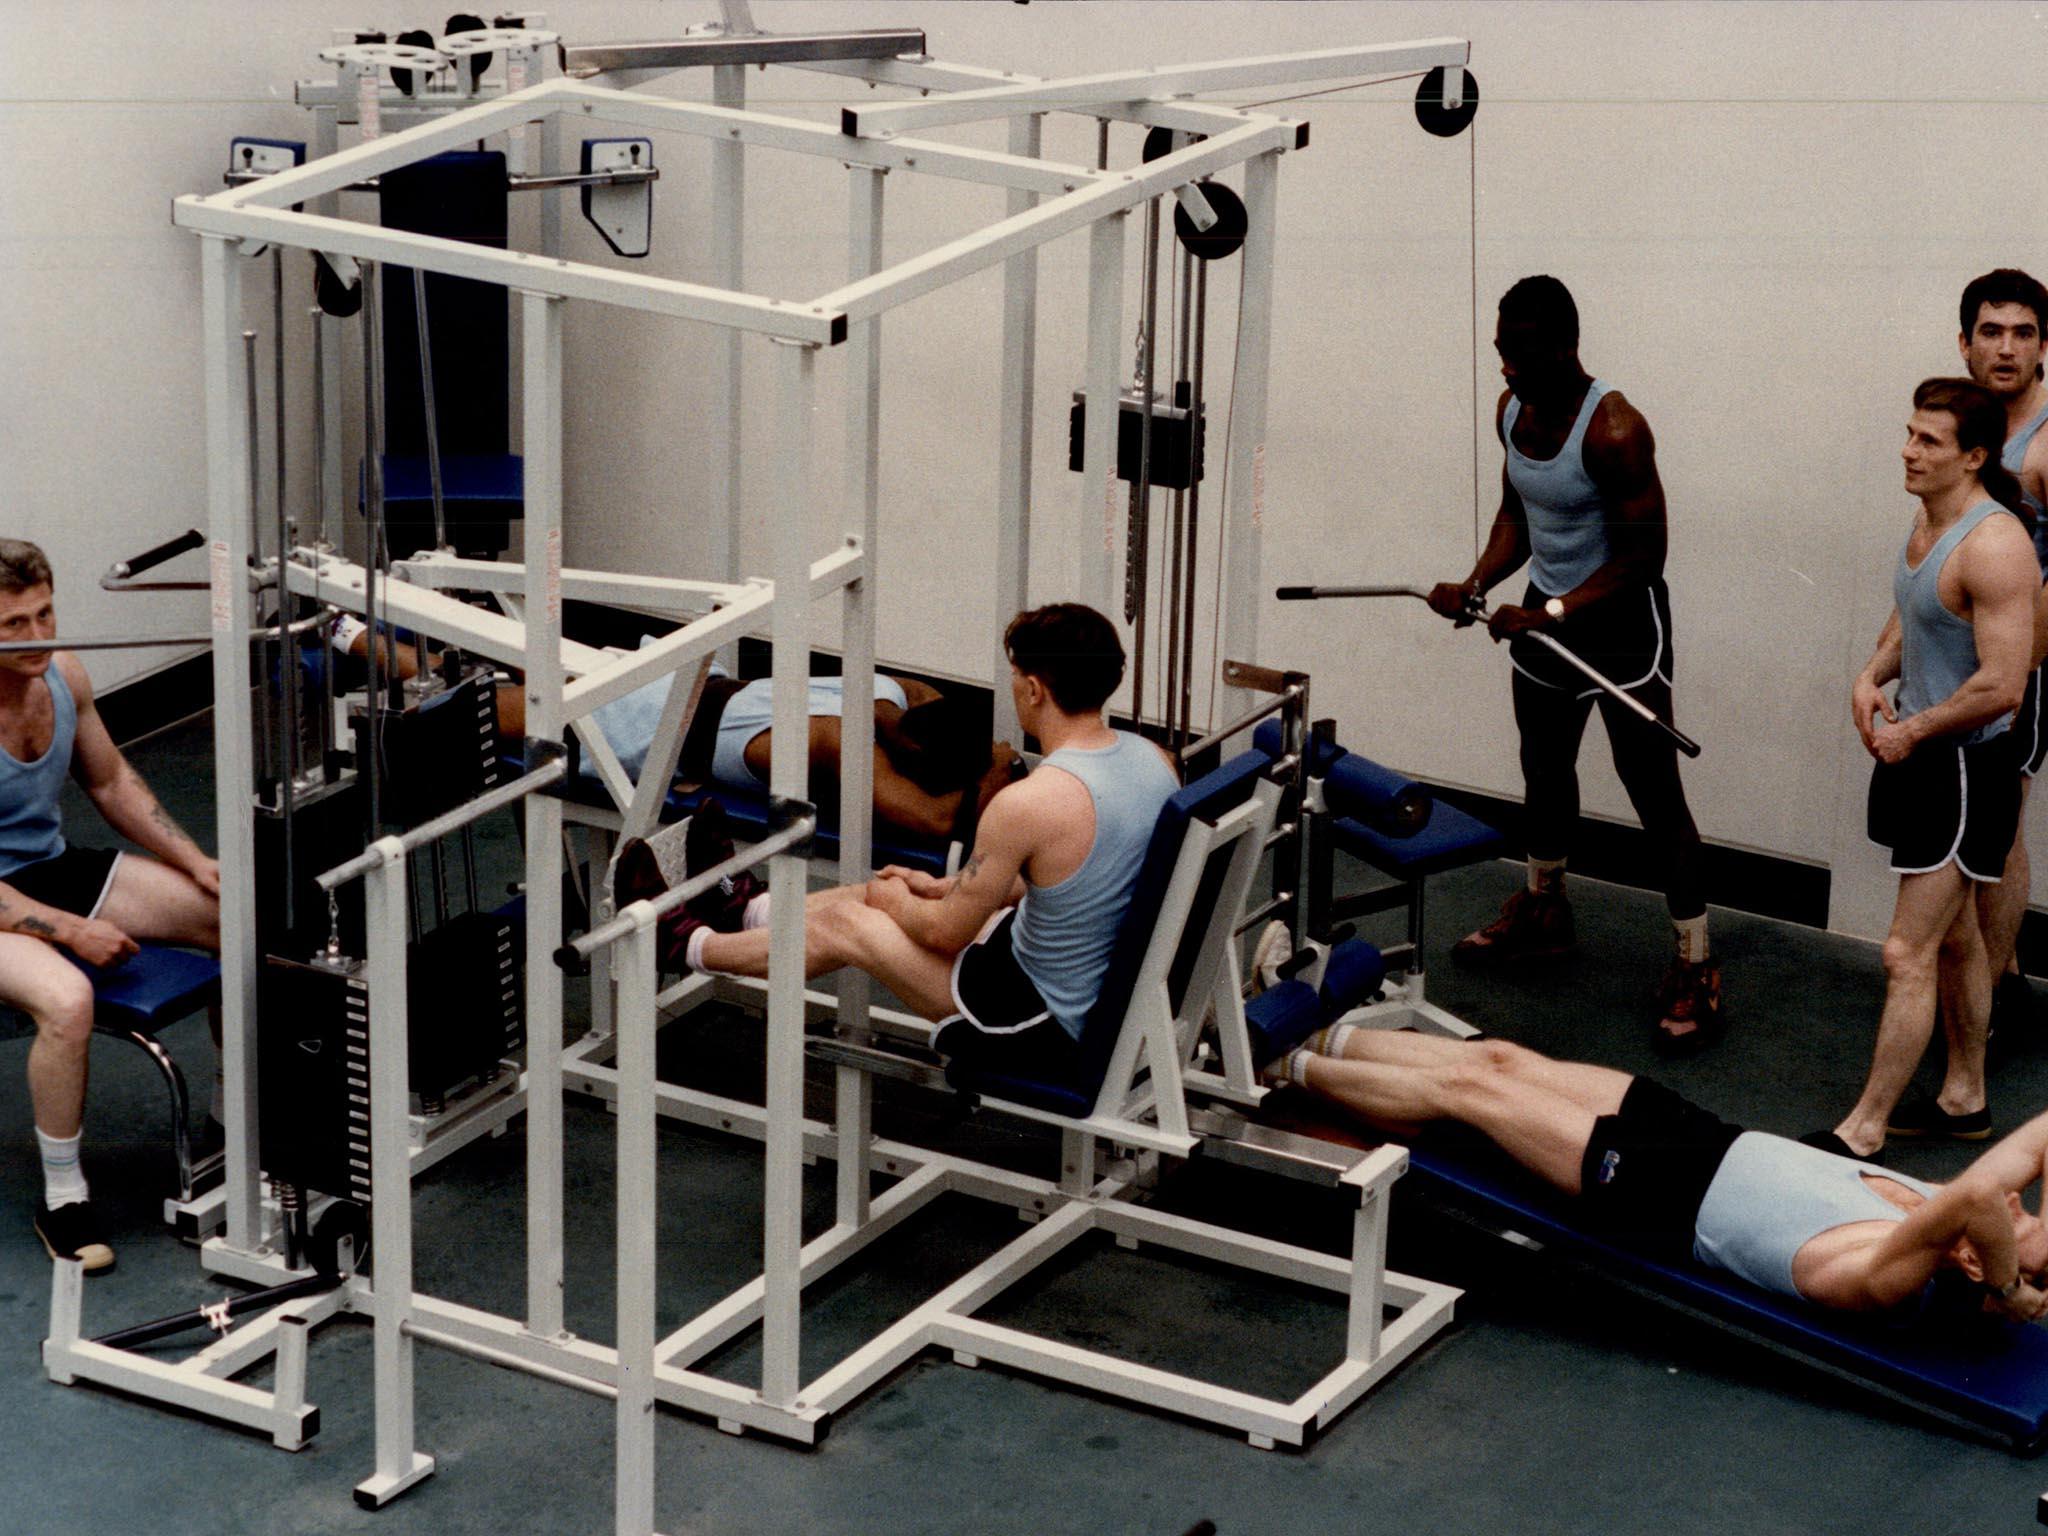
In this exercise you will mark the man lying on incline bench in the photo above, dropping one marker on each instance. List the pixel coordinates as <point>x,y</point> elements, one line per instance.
<point>935,767</point>
<point>1017,943</point>
<point>1649,1167</point>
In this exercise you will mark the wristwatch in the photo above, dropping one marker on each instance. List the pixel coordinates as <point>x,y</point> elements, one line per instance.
<point>1555,608</point>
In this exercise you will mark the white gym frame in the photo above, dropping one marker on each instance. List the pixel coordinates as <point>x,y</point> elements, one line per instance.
<point>565,683</point>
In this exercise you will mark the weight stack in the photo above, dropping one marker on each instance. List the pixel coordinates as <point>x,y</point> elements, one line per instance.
<point>313,1077</point>
<point>464,992</point>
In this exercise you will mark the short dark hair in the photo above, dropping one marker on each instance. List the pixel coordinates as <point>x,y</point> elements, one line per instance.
<point>2005,285</point>
<point>23,565</point>
<point>1544,305</point>
<point>1980,423</point>
<point>940,746</point>
<point>1070,648</point>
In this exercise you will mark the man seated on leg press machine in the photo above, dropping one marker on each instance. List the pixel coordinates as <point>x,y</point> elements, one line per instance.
<point>1012,950</point>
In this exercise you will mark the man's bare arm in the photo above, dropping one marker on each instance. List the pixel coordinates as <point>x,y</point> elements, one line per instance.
<point>120,793</point>
<point>987,882</point>
<point>1866,695</point>
<point>94,941</point>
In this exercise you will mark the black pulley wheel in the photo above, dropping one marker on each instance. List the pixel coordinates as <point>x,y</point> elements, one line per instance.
<point>1223,237</point>
<point>335,297</point>
<point>344,1218</point>
<point>1435,117</point>
<point>1159,141</point>
<point>417,38</point>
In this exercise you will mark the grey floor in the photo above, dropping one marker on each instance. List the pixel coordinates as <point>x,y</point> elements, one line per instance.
<point>1555,1403</point>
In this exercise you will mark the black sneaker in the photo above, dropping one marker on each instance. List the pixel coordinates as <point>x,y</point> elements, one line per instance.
<point>637,875</point>
<point>1828,1141</point>
<point>1924,1117</point>
<point>707,844</point>
<point>73,1232</point>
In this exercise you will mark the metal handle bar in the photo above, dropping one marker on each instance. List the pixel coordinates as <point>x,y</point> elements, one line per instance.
<point>1272,706</point>
<point>1476,606</point>
<point>118,576</point>
<point>585,945</point>
<point>385,849</point>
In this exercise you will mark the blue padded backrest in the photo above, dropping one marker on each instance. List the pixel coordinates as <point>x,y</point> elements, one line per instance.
<point>1209,797</point>
<point>1986,1372</point>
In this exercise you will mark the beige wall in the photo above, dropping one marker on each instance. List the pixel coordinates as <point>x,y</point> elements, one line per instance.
<point>1766,211</point>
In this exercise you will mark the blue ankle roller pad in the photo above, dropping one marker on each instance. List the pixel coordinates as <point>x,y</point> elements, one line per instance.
<point>1989,1375</point>
<point>1353,786</point>
<point>1280,1018</point>
<point>1207,798</point>
<point>154,987</point>
<point>751,821</point>
<point>1351,976</point>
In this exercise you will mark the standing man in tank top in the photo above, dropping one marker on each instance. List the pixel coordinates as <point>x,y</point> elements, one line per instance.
<point>1945,791</point>
<point>1014,948</point>
<point>1582,505</point>
<point>2002,316</point>
<point>59,901</point>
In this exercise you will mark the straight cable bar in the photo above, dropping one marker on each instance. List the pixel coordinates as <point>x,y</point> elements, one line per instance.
<point>1272,706</point>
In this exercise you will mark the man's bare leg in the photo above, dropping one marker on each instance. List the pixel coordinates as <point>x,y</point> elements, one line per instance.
<point>37,978</point>
<point>839,931</point>
<point>1964,1001</point>
<point>150,900</point>
<point>2001,907</point>
<point>1927,905</point>
<point>1490,1085</point>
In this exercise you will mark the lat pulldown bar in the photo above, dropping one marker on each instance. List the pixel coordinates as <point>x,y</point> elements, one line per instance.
<point>1477,608</point>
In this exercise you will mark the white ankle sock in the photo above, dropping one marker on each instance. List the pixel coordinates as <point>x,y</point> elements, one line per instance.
<point>1329,1041</point>
<point>1692,938</point>
<point>63,1179</point>
<point>1546,874</point>
<point>756,914</point>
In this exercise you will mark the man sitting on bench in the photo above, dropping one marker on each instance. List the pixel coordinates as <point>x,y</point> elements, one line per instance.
<point>1649,1167</point>
<point>1017,943</point>
<point>94,902</point>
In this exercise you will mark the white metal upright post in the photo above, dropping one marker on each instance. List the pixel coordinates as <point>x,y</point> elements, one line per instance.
<point>637,1186</point>
<point>1013,471</point>
<point>788,779</point>
<point>541,330</point>
<point>330,513</point>
<point>228,512</point>
<point>724,416</point>
<point>399,1463</point>
<point>1245,510</point>
<point>1097,543</point>
<point>854,1091</point>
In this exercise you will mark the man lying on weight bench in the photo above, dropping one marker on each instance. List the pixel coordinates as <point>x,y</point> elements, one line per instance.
<point>1653,1169</point>
<point>1012,950</point>
<point>934,770</point>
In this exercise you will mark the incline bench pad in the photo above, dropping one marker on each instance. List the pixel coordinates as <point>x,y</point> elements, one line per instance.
<point>1982,1371</point>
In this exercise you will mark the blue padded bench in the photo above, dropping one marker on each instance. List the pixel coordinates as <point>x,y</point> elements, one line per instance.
<point>1284,1015</point>
<point>1985,1374</point>
<point>149,991</point>
<point>1207,799</point>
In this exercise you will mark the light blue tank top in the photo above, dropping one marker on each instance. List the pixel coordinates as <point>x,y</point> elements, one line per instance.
<point>31,825</point>
<point>1567,519</point>
<point>1770,1197</point>
<point>1064,932</point>
<point>1940,650</point>
<point>752,710</point>
<point>2014,456</point>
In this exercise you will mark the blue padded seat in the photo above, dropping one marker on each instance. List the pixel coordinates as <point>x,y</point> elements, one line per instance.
<point>154,987</point>
<point>1209,797</point>
<point>1283,1016</point>
<point>1450,839</point>
<point>1351,976</point>
<point>1986,1373</point>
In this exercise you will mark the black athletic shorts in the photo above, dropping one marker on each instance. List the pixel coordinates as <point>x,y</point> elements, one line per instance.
<point>1626,637</point>
<point>2029,732</point>
<point>76,880</point>
<point>1003,1024</point>
<point>1648,1165</point>
<point>1945,801</point>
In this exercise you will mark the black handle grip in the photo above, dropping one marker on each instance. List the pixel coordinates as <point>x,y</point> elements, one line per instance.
<point>1686,744</point>
<point>191,538</point>
<point>1296,594</point>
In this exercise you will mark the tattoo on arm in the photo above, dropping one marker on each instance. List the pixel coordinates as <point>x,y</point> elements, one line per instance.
<point>36,926</point>
<point>970,868</point>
